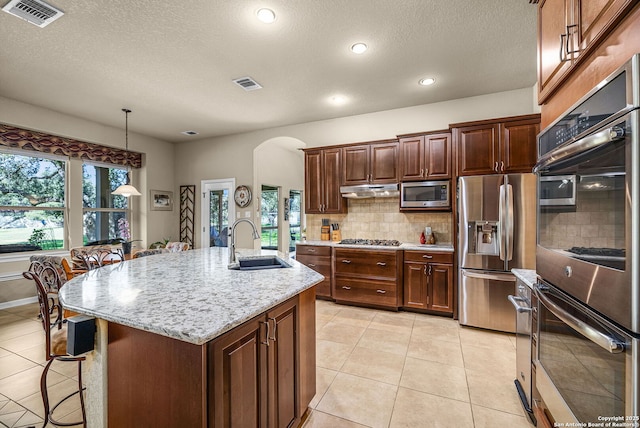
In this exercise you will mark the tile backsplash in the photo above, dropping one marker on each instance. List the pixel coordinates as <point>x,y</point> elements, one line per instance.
<point>379,218</point>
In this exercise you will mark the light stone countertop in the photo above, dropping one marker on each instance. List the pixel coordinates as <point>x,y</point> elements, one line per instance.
<point>443,248</point>
<point>189,295</point>
<point>528,276</point>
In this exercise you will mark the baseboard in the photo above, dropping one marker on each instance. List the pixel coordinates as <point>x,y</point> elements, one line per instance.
<point>19,302</point>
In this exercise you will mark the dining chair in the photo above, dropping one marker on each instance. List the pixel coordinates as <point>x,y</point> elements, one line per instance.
<point>177,246</point>
<point>149,252</point>
<point>49,277</point>
<point>55,346</point>
<point>95,258</point>
<point>69,271</point>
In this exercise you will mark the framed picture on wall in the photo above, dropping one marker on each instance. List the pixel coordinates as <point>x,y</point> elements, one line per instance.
<point>161,200</point>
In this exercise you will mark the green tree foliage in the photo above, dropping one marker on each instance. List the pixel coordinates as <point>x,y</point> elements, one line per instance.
<point>27,181</point>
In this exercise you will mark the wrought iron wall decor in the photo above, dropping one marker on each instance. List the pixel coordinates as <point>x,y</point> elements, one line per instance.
<point>187,209</point>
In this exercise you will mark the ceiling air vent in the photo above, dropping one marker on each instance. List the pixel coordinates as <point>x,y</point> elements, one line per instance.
<point>247,83</point>
<point>189,133</point>
<point>34,11</point>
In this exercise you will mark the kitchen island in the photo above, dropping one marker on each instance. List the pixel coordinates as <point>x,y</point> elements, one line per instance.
<point>184,341</point>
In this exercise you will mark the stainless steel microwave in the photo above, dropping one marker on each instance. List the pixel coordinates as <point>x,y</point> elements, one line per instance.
<point>557,190</point>
<point>425,194</point>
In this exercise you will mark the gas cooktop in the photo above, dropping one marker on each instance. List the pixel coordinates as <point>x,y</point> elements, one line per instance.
<point>381,242</point>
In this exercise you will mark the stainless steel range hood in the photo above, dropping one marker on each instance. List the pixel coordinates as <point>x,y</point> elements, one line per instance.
<point>370,191</point>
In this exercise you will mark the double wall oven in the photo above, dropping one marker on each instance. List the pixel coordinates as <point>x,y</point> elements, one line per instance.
<point>588,362</point>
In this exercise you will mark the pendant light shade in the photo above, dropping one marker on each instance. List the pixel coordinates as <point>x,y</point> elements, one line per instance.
<point>126,189</point>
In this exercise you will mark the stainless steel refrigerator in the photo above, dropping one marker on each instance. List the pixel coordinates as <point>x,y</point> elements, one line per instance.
<point>496,233</point>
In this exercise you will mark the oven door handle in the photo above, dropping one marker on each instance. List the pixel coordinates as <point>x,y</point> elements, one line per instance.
<point>608,343</point>
<point>519,308</point>
<point>605,136</point>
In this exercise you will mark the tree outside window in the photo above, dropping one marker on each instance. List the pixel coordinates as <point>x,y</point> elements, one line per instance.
<point>101,209</point>
<point>32,203</point>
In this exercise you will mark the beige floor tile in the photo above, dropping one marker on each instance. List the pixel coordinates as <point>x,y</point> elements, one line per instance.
<point>56,393</point>
<point>435,350</point>
<point>26,383</point>
<point>65,368</point>
<point>359,400</point>
<point>338,331</point>
<point>8,318</point>
<point>4,352</point>
<point>434,332</point>
<point>320,324</point>
<point>330,355</point>
<point>375,365</point>
<point>489,418</point>
<point>326,309</point>
<point>23,342</point>
<point>12,364</point>
<point>73,417</point>
<point>400,322</point>
<point>489,360</point>
<point>19,328</point>
<point>324,377</point>
<point>25,311</point>
<point>28,420</point>
<point>494,391</point>
<point>382,340</point>
<point>418,409</point>
<point>486,338</point>
<point>323,420</point>
<point>435,378</point>
<point>423,320</point>
<point>36,354</point>
<point>354,316</point>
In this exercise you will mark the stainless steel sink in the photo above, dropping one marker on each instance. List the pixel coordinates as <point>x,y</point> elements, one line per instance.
<point>259,263</point>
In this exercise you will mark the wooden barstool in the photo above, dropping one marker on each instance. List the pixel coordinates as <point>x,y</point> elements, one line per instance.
<point>55,347</point>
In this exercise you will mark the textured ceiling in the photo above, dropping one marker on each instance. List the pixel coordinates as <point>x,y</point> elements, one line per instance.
<point>172,62</point>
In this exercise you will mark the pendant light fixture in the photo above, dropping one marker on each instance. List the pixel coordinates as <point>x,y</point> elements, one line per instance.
<point>126,189</point>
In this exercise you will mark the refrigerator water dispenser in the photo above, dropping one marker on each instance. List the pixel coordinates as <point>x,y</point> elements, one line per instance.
<point>483,238</point>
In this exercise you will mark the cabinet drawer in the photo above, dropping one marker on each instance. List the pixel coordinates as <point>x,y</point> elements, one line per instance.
<point>316,250</point>
<point>320,264</point>
<point>427,257</point>
<point>382,293</point>
<point>379,264</point>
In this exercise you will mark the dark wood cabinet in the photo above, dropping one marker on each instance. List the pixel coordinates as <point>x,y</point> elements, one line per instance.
<point>371,163</point>
<point>367,277</point>
<point>425,157</point>
<point>567,31</point>
<point>428,281</point>
<point>322,182</point>
<point>506,145</point>
<point>260,374</point>
<point>318,258</point>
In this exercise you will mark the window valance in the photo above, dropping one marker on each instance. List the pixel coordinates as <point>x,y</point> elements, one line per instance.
<point>18,138</point>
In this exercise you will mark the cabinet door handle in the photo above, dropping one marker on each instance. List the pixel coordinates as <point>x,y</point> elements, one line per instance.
<point>569,33</point>
<point>421,172</point>
<point>495,167</point>
<point>427,256</point>
<point>429,274</point>
<point>275,328</point>
<point>346,288</point>
<point>381,264</point>
<point>311,250</point>
<point>501,165</point>
<point>346,261</point>
<point>563,57</point>
<point>381,291</point>
<point>266,342</point>
<point>312,265</point>
<point>426,172</point>
<point>425,269</point>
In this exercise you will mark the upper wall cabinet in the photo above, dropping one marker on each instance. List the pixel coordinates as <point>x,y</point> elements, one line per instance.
<point>567,31</point>
<point>322,169</point>
<point>425,157</point>
<point>373,163</point>
<point>506,145</point>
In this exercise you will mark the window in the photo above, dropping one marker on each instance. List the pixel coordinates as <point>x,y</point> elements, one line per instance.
<point>269,217</point>
<point>295,214</point>
<point>32,203</point>
<point>101,209</point>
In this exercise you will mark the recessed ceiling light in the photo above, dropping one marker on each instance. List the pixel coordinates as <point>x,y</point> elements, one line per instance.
<point>358,48</point>
<point>427,81</point>
<point>338,99</point>
<point>266,15</point>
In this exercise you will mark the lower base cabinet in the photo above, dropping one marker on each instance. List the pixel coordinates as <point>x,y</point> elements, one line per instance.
<point>428,281</point>
<point>260,374</point>
<point>318,258</point>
